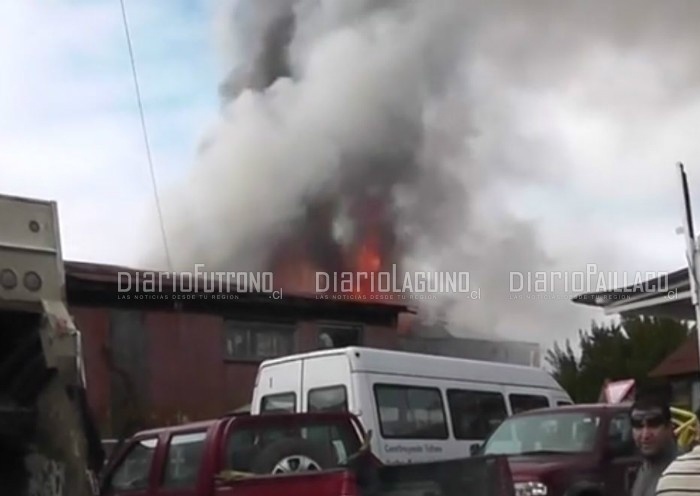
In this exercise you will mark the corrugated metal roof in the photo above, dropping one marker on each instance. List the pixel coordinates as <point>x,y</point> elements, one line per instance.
<point>682,361</point>
<point>84,277</point>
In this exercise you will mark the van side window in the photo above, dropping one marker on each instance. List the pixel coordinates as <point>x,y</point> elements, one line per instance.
<point>279,403</point>
<point>410,412</point>
<point>475,414</point>
<point>524,402</point>
<point>328,399</point>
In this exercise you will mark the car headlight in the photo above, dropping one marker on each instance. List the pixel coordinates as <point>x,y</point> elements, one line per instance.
<point>530,489</point>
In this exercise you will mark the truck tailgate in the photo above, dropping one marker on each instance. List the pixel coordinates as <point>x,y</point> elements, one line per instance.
<point>327,483</point>
<point>475,476</point>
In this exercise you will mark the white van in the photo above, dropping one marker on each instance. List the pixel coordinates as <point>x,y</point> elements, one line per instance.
<point>419,407</point>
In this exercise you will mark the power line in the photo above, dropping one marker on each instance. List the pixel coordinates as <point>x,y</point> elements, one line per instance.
<point>145,135</point>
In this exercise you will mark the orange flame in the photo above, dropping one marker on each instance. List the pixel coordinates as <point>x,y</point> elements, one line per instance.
<point>296,269</point>
<point>367,260</point>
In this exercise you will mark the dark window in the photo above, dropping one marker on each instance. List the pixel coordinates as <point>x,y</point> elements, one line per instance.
<point>620,440</point>
<point>184,459</point>
<point>339,335</point>
<point>409,412</point>
<point>133,472</point>
<point>335,441</point>
<point>563,403</point>
<point>328,399</point>
<point>258,341</point>
<point>524,402</point>
<point>279,403</point>
<point>475,414</point>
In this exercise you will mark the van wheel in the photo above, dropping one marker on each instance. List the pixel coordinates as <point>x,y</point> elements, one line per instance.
<point>290,456</point>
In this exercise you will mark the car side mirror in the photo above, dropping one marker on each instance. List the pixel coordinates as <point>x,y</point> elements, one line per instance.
<point>475,449</point>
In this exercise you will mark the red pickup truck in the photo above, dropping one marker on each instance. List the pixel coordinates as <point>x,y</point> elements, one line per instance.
<point>324,454</point>
<point>579,450</point>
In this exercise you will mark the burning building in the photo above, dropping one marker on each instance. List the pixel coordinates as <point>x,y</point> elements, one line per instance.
<point>342,146</point>
<point>164,356</point>
<point>358,241</point>
<point>331,186</point>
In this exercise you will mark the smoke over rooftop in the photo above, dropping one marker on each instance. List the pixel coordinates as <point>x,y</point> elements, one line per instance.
<point>358,133</point>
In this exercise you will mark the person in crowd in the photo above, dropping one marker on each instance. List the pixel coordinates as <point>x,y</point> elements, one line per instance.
<point>652,429</point>
<point>682,476</point>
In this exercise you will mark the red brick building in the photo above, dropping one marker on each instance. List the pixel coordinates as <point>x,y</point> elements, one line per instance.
<point>162,360</point>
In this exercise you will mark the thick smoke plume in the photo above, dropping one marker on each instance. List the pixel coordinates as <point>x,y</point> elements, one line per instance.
<point>333,114</point>
<point>409,109</point>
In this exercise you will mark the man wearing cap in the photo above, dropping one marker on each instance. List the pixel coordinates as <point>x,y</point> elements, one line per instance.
<point>652,429</point>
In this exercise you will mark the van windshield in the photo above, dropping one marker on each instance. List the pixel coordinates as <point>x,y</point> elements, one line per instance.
<point>571,432</point>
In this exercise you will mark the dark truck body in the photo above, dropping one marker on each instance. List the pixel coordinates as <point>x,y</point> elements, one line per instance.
<point>48,439</point>
<point>241,456</point>
<point>593,454</point>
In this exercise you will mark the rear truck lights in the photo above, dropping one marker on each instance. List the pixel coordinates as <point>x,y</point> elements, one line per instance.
<point>8,279</point>
<point>530,489</point>
<point>32,281</point>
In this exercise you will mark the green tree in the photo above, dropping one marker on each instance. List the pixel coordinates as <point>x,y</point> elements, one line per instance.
<point>626,350</point>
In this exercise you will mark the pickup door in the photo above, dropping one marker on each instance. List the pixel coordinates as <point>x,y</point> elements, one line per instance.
<point>164,464</point>
<point>623,460</point>
<point>195,460</point>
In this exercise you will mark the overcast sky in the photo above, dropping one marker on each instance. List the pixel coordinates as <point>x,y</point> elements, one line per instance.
<point>70,131</point>
<point>69,125</point>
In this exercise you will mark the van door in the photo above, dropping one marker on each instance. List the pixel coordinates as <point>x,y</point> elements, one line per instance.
<point>476,410</point>
<point>278,388</point>
<point>135,473</point>
<point>411,420</point>
<point>326,385</point>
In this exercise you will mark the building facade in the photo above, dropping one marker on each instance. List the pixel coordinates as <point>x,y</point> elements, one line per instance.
<point>157,359</point>
<point>438,339</point>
